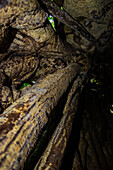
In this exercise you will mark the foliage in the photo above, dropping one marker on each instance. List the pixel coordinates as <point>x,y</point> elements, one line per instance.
<point>24,85</point>
<point>51,20</point>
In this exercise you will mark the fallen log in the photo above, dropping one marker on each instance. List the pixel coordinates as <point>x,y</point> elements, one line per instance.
<point>23,121</point>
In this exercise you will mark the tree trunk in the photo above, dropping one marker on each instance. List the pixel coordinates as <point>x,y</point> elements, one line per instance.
<point>60,63</point>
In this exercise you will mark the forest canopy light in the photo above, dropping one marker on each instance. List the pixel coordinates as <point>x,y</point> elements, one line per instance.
<point>51,20</point>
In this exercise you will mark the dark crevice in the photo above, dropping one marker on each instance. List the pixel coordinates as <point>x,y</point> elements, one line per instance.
<point>8,39</point>
<point>73,141</point>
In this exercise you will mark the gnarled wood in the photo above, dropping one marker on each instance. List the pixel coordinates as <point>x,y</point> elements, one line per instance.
<point>22,122</point>
<point>24,29</point>
<point>54,153</point>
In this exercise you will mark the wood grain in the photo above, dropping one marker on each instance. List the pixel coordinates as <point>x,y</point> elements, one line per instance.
<point>23,121</point>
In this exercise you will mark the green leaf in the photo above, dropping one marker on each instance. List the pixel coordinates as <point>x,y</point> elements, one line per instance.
<point>92,80</point>
<point>51,20</point>
<point>111,111</point>
<point>24,85</point>
<point>61,8</point>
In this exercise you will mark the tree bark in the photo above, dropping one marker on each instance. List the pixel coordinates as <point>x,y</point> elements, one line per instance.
<point>23,121</point>
<point>64,64</point>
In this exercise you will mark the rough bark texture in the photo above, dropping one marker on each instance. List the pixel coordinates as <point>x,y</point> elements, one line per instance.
<point>53,155</point>
<point>59,62</point>
<point>95,17</point>
<point>23,121</point>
